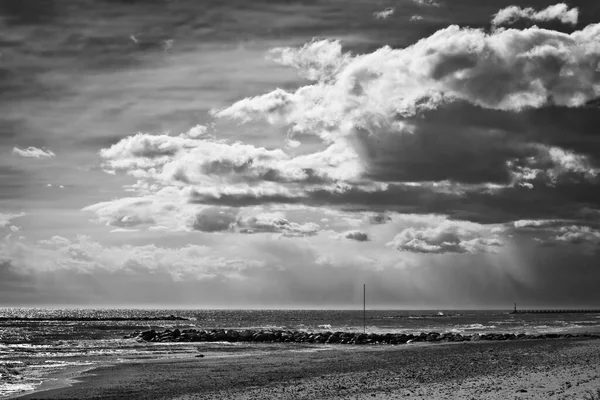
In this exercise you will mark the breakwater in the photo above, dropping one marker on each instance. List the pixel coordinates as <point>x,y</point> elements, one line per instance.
<point>356,338</point>
<point>589,311</point>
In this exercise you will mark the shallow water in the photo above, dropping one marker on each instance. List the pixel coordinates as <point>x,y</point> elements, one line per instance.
<point>36,348</point>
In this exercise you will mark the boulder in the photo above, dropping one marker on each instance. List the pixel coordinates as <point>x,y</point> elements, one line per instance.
<point>148,335</point>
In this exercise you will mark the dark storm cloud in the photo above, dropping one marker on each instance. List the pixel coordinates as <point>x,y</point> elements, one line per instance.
<point>215,219</point>
<point>435,152</point>
<point>30,11</point>
<point>356,236</point>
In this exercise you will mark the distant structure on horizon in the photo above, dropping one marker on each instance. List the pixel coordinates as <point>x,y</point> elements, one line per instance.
<point>556,311</point>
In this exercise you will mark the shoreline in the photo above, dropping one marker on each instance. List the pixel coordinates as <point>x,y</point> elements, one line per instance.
<point>475,369</point>
<point>66,377</point>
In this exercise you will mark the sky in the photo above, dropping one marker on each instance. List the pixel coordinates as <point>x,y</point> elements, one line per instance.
<point>281,154</point>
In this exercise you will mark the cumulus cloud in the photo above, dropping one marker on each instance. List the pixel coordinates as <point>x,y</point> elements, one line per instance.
<point>317,60</point>
<point>215,219</point>
<point>356,235</point>
<point>528,223</point>
<point>503,70</point>
<point>221,219</point>
<point>549,164</point>
<point>378,218</point>
<point>416,18</point>
<point>85,255</point>
<point>5,219</point>
<point>576,234</point>
<point>180,160</point>
<point>276,223</point>
<point>384,14</point>
<point>33,152</point>
<point>560,12</point>
<point>447,237</point>
<point>428,128</point>
<point>165,207</point>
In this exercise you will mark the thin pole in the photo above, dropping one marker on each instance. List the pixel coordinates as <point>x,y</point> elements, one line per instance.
<point>364,308</point>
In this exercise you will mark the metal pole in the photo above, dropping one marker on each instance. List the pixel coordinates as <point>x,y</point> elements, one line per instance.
<point>364,308</point>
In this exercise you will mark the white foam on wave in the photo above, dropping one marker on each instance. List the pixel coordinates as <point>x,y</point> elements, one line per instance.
<point>473,327</point>
<point>6,388</point>
<point>62,364</point>
<point>325,326</point>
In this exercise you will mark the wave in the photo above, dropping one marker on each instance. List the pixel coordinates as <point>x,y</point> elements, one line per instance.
<point>88,319</point>
<point>471,327</point>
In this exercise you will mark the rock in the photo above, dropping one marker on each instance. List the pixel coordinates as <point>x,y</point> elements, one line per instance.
<point>333,339</point>
<point>148,335</point>
<point>200,355</point>
<point>358,338</point>
<point>221,336</point>
<point>432,337</point>
<point>522,391</point>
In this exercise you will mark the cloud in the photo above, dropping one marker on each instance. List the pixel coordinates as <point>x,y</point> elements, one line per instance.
<point>560,12</point>
<point>451,125</point>
<point>416,18</point>
<point>179,160</point>
<point>427,3</point>
<point>317,60</point>
<point>165,207</point>
<point>276,223</point>
<point>356,235</point>
<point>524,223</point>
<point>5,219</point>
<point>33,152</point>
<point>378,218</point>
<point>504,70</point>
<point>384,14</point>
<point>575,234</point>
<point>447,237</point>
<point>548,165</point>
<point>85,255</point>
<point>215,219</point>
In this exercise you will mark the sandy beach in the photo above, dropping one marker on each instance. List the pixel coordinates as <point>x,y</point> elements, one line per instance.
<point>557,369</point>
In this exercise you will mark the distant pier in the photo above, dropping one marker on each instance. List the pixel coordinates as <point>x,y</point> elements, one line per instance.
<point>563,311</point>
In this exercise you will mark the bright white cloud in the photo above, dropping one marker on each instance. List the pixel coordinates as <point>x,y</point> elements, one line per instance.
<point>528,223</point>
<point>179,160</point>
<point>427,3</point>
<point>503,70</point>
<point>317,61</point>
<point>560,12</point>
<point>384,14</point>
<point>551,164</point>
<point>165,207</point>
<point>447,237</point>
<point>33,152</point>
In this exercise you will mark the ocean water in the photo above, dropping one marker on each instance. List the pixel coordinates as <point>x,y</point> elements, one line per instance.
<point>31,350</point>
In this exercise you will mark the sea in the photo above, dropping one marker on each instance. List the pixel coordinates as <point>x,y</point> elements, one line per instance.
<point>36,344</point>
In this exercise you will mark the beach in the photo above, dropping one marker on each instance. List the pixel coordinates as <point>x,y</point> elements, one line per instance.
<point>558,369</point>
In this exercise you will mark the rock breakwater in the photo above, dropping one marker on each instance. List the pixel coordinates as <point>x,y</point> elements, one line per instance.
<point>356,338</point>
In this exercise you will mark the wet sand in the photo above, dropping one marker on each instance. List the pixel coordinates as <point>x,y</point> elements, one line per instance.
<point>543,369</point>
